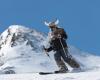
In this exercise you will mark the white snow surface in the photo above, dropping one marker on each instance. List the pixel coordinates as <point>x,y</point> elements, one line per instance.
<point>67,76</point>
<point>21,51</point>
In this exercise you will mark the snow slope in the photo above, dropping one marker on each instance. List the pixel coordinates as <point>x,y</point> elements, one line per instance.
<point>95,75</point>
<point>21,52</point>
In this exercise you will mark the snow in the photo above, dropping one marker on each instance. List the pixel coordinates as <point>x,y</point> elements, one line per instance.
<point>21,51</point>
<point>95,75</point>
<point>26,55</point>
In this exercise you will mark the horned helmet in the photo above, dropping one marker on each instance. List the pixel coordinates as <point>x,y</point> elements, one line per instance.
<point>52,24</point>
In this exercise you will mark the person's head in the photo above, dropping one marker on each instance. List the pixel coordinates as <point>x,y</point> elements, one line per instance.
<point>52,25</point>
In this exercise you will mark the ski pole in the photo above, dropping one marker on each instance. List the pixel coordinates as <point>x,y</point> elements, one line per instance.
<point>64,49</point>
<point>46,52</point>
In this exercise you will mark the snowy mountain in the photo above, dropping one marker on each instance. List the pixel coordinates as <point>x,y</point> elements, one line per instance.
<point>21,52</point>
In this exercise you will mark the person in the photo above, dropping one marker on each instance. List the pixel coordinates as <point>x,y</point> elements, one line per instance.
<point>59,46</point>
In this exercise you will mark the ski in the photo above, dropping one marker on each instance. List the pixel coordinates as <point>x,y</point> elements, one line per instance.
<point>46,73</point>
<point>56,72</point>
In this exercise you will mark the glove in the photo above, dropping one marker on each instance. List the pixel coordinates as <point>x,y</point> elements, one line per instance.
<point>45,49</point>
<point>59,36</point>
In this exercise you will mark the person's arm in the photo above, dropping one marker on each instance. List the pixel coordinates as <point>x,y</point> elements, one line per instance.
<point>48,49</point>
<point>63,34</point>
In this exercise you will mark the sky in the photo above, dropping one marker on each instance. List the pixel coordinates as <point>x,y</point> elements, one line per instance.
<point>79,18</point>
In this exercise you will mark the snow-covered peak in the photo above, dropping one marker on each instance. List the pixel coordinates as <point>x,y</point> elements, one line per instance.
<point>18,32</point>
<point>18,43</point>
<point>15,29</point>
<point>18,28</point>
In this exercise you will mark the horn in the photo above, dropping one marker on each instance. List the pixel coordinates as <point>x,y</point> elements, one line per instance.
<point>46,23</point>
<point>57,21</point>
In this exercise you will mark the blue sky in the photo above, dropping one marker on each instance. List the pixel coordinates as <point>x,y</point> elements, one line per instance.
<point>80,18</point>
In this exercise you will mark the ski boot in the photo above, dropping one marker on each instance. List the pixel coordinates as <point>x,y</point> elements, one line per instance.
<point>62,70</point>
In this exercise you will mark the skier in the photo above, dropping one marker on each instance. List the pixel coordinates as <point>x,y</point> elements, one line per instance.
<point>59,46</point>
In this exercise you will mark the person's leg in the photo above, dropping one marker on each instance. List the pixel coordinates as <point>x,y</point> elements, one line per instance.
<point>60,63</point>
<point>68,59</point>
